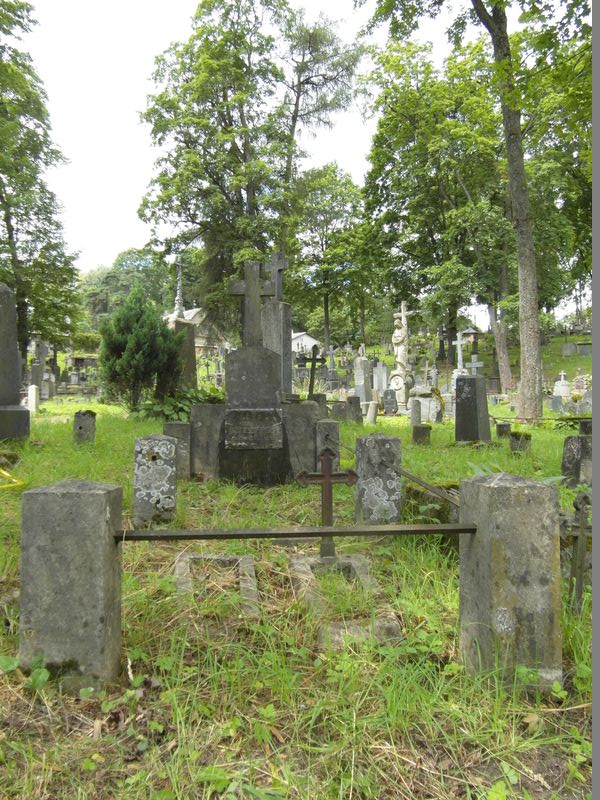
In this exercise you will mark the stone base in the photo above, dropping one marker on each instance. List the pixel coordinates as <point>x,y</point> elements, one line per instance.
<point>14,422</point>
<point>246,574</point>
<point>383,626</point>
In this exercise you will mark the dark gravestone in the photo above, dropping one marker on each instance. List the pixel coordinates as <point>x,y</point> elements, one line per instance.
<point>576,463</point>
<point>390,403</point>
<point>503,430</point>
<point>353,410</point>
<point>585,427</point>
<point>84,427</point>
<point>472,423</point>
<point>252,378</point>
<point>14,419</point>
<point>421,434</point>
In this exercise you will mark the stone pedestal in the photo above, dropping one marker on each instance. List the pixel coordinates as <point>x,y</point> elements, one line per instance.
<point>421,434</point>
<point>378,495</point>
<point>84,427</point>
<point>510,581</point>
<point>154,479</point>
<point>472,422</point>
<point>70,580</point>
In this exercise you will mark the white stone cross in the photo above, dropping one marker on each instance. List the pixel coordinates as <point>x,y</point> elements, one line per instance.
<point>473,365</point>
<point>562,376</point>
<point>459,353</point>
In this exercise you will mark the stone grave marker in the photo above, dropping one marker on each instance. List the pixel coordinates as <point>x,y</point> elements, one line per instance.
<point>472,422</point>
<point>390,402</point>
<point>84,427</point>
<point>14,419</point>
<point>154,479</point>
<point>378,494</point>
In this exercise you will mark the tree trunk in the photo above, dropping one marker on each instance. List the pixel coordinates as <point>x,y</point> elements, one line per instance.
<point>501,342</point>
<point>326,321</point>
<point>18,288</point>
<point>529,402</point>
<point>362,317</point>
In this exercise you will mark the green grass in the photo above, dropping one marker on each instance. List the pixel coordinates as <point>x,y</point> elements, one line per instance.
<point>217,708</point>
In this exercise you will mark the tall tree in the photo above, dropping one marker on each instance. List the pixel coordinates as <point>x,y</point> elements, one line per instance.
<point>404,18</point>
<point>33,258</point>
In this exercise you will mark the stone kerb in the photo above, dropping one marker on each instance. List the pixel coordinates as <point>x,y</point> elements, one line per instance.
<point>70,581</point>
<point>378,496</point>
<point>510,581</point>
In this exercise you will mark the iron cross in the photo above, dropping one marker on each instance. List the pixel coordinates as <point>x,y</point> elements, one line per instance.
<point>327,478</point>
<point>313,360</point>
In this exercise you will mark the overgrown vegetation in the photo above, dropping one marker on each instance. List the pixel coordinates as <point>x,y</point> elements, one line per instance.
<point>212,707</point>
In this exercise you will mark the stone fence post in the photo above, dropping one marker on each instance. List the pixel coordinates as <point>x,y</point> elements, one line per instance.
<point>510,580</point>
<point>378,497</point>
<point>71,580</point>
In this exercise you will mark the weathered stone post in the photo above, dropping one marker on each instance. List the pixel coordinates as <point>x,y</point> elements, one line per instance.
<point>70,580</point>
<point>378,495</point>
<point>154,479</point>
<point>421,434</point>
<point>510,580</point>
<point>84,427</point>
<point>415,412</point>
<point>371,416</point>
<point>33,398</point>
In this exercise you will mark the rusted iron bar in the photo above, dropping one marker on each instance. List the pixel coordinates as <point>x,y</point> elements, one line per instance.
<point>436,490</point>
<point>213,534</point>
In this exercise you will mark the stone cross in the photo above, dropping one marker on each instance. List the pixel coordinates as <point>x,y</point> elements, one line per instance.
<point>459,353</point>
<point>252,289</point>
<point>326,478</point>
<point>331,358</point>
<point>562,376</point>
<point>474,365</point>
<point>275,266</point>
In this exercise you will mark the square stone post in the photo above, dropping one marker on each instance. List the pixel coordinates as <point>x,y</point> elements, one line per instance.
<point>510,580</point>
<point>71,581</point>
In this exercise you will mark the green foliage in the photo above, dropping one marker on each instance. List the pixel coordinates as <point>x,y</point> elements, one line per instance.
<point>139,354</point>
<point>178,406</point>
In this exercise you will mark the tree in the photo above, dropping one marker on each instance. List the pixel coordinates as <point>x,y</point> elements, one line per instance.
<point>404,19</point>
<point>328,205</point>
<point>139,354</point>
<point>33,258</point>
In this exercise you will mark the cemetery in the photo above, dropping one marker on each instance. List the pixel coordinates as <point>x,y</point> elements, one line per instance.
<point>296,497</point>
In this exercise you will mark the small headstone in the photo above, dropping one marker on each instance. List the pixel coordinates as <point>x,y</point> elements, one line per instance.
<point>84,427</point>
<point>33,398</point>
<point>371,416</point>
<point>576,465</point>
<point>378,496</point>
<point>472,423</point>
<point>562,387</point>
<point>503,430</point>
<point>584,348</point>
<point>353,410</point>
<point>421,434</point>
<point>154,479</point>
<point>390,403</point>
<point>569,349</point>
<point>338,411</point>
<point>37,375</point>
<point>580,384</point>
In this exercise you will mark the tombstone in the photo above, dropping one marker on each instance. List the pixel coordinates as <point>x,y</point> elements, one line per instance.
<point>37,375</point>
<point>33,398</point>
<point>580,383</point>
<point>562,387</point>
<point>14,419</point>
<point>569,349</point>
<point>503,430</point>
<point>371,415</point>
<point>380,377</point>
<point>338,411</point>
<point>472,422</point>
<point>390,403</point>
<point>378,495</point>
<point>556,403</point>
<point>421,434</point>
<point>182,432</point>
<point>70,581</point>
<point>584,348</point>
<point>84,427</point>
<point>576,464</point>
<point>415,411</point>
<point>510,579</point>
<point>73,378</point>
<point>363,378</point>
<point>585,427</point>
<point>154,479</point>
<point>519,442</point>
<point>353,410</point>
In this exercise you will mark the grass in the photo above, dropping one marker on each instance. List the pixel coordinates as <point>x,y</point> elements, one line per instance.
<point>211,707</point>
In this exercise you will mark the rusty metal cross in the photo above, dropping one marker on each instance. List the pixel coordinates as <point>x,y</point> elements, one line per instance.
<point>327,477</point>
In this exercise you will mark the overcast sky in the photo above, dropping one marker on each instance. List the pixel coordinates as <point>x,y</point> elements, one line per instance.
<point>96,61</point>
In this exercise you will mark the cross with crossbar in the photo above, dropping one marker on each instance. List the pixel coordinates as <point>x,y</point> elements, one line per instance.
<point>313,360</point>
<point>252,289</point>
<point>326,478</point>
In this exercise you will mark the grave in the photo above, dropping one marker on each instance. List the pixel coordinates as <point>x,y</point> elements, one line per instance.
<point>276,318</point>
<point>378,493</point>
<point>576,464</point>
<point>14,419</point>
<point>84,427</point>
<point>254,437</point>
<point>390,403</point>
<point>154,479</point>
<point>471,422</point>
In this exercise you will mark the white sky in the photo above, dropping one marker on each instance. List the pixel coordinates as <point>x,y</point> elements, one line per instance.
<point>96,60</point>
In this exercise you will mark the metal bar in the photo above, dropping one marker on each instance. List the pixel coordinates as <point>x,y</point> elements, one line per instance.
<point>433,489</point>
<point>212,534</point>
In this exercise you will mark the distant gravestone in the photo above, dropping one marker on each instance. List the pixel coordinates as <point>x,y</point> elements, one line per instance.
<point>472,422</point>
<point>182,432</point>
<point>569,349</point>
<point>84,427</point>
<point>353,410</point>
<point>378,495</point>
<point>33,398</point>
<point>562,387</point>
<point>584,348</point>
<point>14,419</point>
<point>37,375</point>
<point>576,465</point>
<point>415,411</point>
<point>390,402</point>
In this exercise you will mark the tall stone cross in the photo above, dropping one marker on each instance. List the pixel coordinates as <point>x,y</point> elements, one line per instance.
<point>252,288</point>
<point>474,365</point>
<point>459,353</point>
<point>327,477</point>
<point>275,266</point>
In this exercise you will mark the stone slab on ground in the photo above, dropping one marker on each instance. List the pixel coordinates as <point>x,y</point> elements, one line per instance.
<point>248,587</point>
